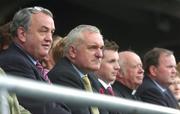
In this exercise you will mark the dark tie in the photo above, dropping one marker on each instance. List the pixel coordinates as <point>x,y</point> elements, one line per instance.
<point>110,91</point>
<point>87,85</point>
<point>43,71</point>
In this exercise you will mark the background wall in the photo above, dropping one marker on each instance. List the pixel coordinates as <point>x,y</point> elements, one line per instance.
<point>134,24</point>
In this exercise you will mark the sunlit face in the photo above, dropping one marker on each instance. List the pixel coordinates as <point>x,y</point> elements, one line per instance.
<point>166,70</point>
<point>38,38</point>
<point>175,87</point>
<point>134,72</point>
<point>88,54</point>
<point>109,66</point>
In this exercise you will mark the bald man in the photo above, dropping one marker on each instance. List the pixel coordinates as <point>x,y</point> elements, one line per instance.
<point>130,75</point>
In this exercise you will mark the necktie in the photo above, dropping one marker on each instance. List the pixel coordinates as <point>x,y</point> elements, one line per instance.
<point>43,71</point>
<point>87,85</point>
<point>110,91</point>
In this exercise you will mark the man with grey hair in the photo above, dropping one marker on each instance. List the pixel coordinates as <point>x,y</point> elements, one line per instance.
<point>160,69</point>
<point>32,29</point>
<point>83,54</point>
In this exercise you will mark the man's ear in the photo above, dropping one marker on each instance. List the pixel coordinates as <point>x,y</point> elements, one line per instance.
<point>21,33</point>
<point>72,51</point>
<point>120,73</point>
<point>153,70</point>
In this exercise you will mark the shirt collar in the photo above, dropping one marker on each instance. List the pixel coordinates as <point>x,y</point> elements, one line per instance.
<point>78,71</point>
<point>159,86</point>
<point>104,84</point>
<point>133,92</point>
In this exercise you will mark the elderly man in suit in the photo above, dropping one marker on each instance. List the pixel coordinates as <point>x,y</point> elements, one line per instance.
<point>32,30</point>
<point>130,75</point>
<point>83,54</point>
<point>160,69</point>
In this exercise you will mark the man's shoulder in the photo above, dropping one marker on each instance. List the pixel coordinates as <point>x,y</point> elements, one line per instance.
<point>63,71</point>
<point>12,56</point>
<point>11,53</point>
<point>121,90</point>
<point>63,67</point>
<point>147,82</point>
<point>148,86</point>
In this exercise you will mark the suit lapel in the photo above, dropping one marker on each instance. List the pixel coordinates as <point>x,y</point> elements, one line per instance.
<point>29,61</point>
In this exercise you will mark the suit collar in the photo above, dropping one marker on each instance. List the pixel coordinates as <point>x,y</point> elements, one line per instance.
<point>157,84</point>
<point>104,84</point>
<point>19,48</point>
<point>78,71</point>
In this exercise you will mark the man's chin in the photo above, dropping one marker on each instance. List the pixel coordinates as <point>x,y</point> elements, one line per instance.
<point>95,68</point>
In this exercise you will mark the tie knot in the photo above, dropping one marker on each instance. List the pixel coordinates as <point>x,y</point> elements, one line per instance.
<point>38,65</point>
<point>86,80</point>
<point>110,91</point>
<point>42,71</point>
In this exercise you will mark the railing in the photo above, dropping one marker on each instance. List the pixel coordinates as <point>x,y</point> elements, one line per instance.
<point>42,90</point>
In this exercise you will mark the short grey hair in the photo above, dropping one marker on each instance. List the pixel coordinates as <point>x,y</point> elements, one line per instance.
<point>77,33</point>
<point>23,18</point>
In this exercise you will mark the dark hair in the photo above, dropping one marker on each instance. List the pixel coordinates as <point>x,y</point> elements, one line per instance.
<point>152,57</point>
<point>110,45</point>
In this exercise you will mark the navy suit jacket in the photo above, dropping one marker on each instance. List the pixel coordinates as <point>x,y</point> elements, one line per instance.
<point>150,92</point>
<point>64,74</point>
<point>16,62</point>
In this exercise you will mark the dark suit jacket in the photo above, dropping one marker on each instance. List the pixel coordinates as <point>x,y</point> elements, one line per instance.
<point>16,62</point>
<point>100,89</point>
<point>150,92</point>
<point>64,74</point>
<point>123,91</point>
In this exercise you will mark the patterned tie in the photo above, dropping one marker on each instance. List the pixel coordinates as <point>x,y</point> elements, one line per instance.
<point>43,71</point>
<point>110,91</point>
<point>87,85</point>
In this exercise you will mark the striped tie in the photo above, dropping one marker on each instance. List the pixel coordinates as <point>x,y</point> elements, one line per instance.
<point>87,85</point>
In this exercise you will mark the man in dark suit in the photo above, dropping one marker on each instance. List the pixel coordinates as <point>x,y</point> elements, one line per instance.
<point>32,30</point>
<point>109,67</point>
<point>160,69</point>
<point>130,75</point>
<point>83,54</point>
<point>108,71</point>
